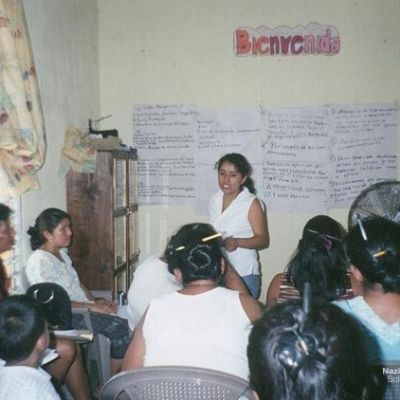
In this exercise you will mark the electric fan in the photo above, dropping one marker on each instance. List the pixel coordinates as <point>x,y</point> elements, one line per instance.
<point>379,200</point>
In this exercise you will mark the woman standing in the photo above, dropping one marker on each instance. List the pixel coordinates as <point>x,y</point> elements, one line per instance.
<point>240,215</point>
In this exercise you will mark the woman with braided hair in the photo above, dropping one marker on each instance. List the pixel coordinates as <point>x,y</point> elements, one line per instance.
<point>201,325</point>
<point>320,260</point>
<point>319,355</point>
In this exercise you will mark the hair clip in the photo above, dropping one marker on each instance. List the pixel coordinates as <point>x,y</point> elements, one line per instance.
<point>301,345</point>
<point>363,233</point>
<point>51,297</point>
<point>306,298</point>
<point>211,237</point>
<point>326,243</point>
<point>205,239</point>
<point>379,254</point>
<point>325,235</point>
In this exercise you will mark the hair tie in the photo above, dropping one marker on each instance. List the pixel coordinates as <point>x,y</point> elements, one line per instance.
<point>31,230</point>
<point>326,243</point>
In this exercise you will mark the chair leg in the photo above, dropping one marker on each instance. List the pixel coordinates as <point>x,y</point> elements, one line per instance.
<point>98,361</point>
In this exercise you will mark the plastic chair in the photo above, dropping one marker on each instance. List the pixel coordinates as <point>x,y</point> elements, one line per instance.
<point>175,383</point>
<point>98,359</point>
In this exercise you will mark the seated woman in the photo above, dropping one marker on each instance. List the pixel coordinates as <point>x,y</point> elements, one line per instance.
<point>374,251</point>
<point>49,262</point>
<point>296,356</point>
<point>68,367</point>
<point>201,325</point>
<point>152,279</point>
<point>320,260</point>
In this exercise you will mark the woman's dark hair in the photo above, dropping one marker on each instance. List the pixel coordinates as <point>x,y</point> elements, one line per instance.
<point>5,212</point>
<point>316,356</point>
<point>3,281</point>
<point>21,324</point>
<point>242,165</point>
<point>320,260</point>
<point>196,256</point>
<point>46,221</point>
<point>374,249</point>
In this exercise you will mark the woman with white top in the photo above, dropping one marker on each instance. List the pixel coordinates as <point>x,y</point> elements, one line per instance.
<point>50,237</point>
<point>241,216</point>
<point>201,325</point>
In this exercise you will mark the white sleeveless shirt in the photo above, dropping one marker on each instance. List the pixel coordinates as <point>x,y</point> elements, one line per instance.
<point>234,221</point>
<point>207,330</point>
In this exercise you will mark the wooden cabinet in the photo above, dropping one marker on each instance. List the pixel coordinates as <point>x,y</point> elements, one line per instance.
<point>104,211</point>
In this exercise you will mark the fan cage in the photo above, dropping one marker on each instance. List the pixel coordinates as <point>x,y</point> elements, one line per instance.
<point>379,200</point>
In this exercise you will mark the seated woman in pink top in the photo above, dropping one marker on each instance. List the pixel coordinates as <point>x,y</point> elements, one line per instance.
<point>201,325</point>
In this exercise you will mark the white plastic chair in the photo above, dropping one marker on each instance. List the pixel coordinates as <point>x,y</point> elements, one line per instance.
<point>175,383</point>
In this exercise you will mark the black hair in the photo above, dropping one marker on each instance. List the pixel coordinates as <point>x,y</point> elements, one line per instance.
<point>21,324</point>
<point>316,356</point>
<point>3,281</point>
<point>46,221</point>
<point>320,259</point>
<point>194,257</point>
<point>242,165</point>
<point>374,249</point>
<point>5,212</point>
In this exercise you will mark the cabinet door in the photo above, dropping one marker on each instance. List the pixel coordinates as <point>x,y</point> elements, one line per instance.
<point>120,242</point>
<point>120,283</point>
<point>132,180</point>
<point>133,234</point>
<point>120,192</point>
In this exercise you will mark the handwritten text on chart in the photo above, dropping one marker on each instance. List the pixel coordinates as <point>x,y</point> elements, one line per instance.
<point>304,158</point>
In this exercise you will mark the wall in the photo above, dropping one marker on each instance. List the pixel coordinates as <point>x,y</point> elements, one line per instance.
<point>181,51</point>
<point>64,38</point>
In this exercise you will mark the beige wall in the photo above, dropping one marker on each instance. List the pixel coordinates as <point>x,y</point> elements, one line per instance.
<point>181,51</point>
<point>64,37</point>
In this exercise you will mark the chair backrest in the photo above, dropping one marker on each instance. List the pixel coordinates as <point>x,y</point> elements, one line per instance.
<point>55,303</point>
<point>387,375</point>
<point>175,383</point>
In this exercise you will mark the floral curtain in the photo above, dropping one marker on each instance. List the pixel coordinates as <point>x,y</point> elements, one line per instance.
<point>22,141</point>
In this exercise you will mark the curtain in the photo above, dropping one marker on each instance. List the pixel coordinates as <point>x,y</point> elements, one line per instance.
<point>22,140</point>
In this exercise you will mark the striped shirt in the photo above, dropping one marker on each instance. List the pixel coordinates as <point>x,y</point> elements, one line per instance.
<point>288,292</point>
